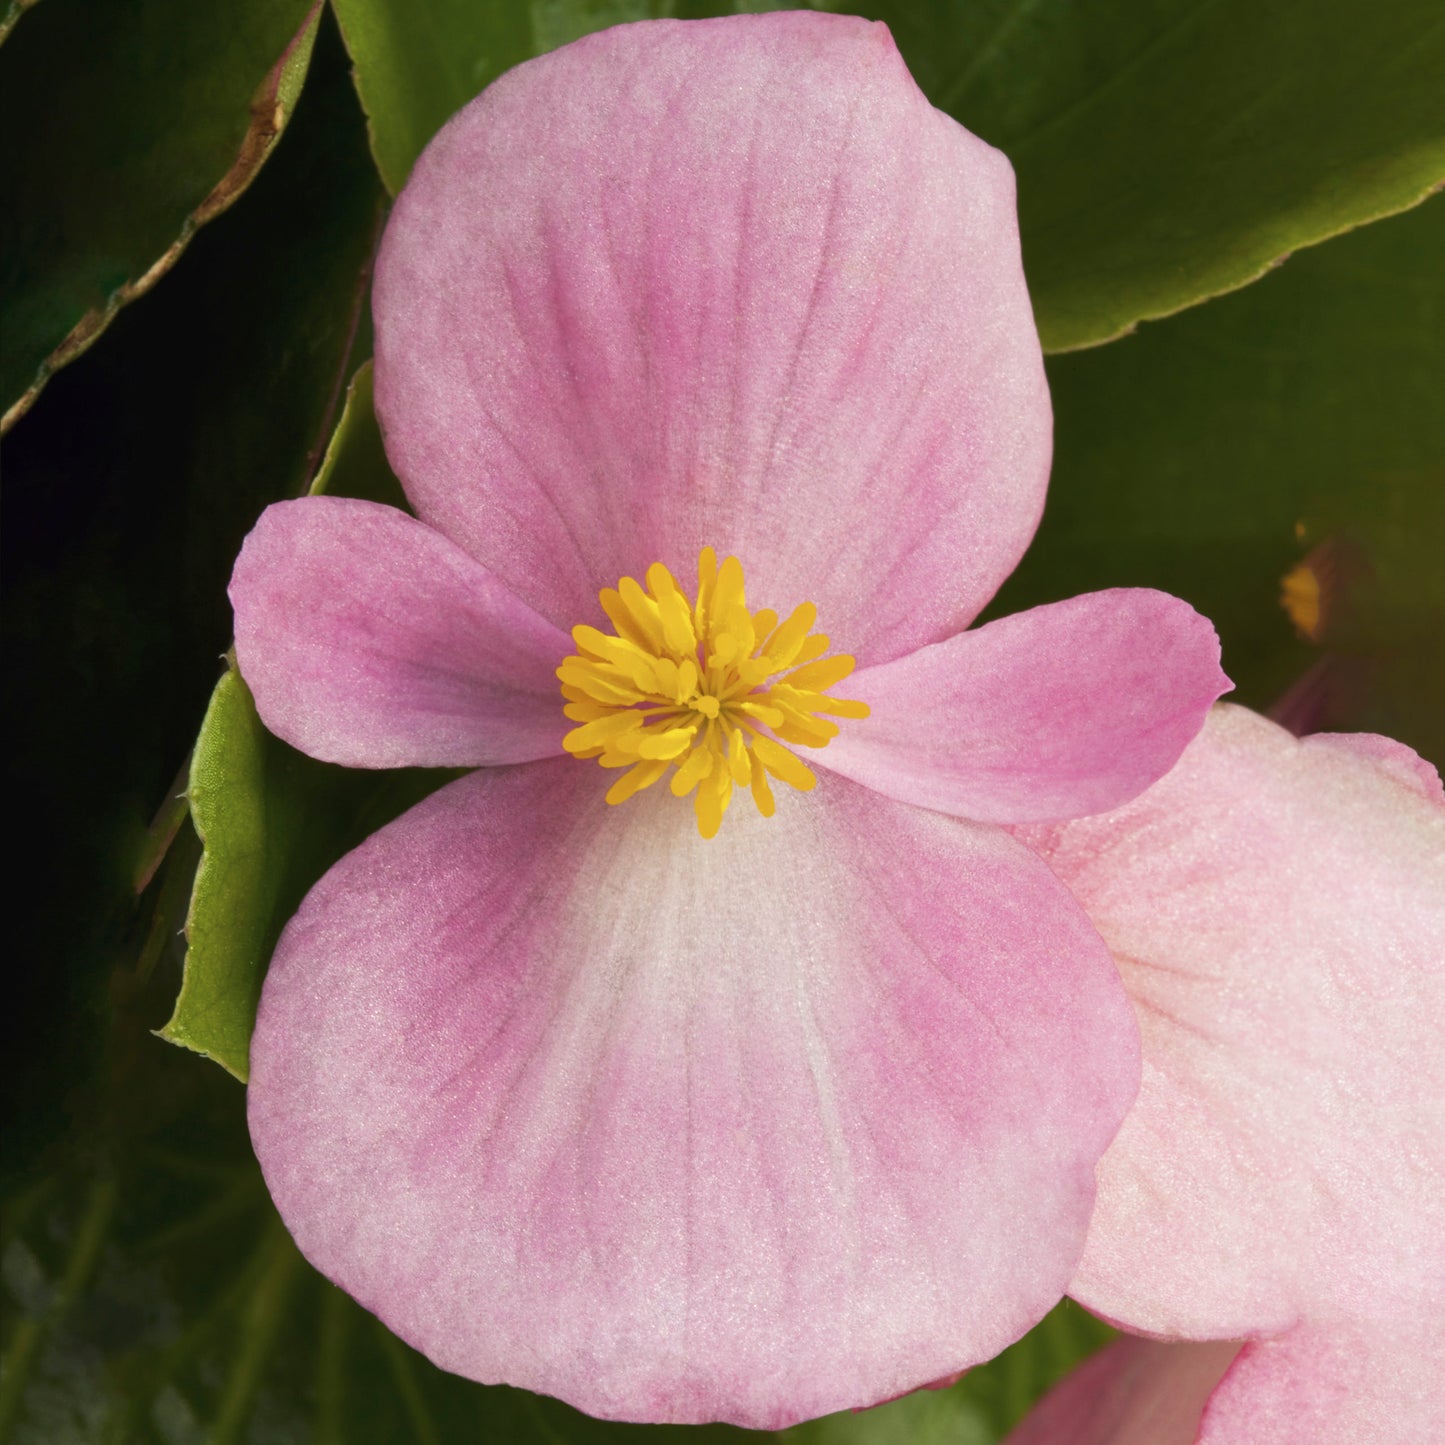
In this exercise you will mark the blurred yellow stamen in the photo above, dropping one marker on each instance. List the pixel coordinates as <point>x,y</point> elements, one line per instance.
<point>691,686</point>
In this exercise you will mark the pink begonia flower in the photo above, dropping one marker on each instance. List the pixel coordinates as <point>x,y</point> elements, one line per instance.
<point>1277,910</point>
<point>795,1117</point>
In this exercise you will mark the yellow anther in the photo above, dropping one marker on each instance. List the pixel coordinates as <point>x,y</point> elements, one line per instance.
<point>704,688</point>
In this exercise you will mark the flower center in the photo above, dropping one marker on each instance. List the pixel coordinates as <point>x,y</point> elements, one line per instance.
<point>704,687</point>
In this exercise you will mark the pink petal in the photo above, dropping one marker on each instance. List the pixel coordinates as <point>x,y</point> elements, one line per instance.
<point>729,282</point>
<point>1134,1392</point>
<point>1303,1388</point>
<point>750,1129</point>
<point>1277,910</point>
<point>1334,1388</point>
<point>1054,713</point>
<point>1403,764</point>
<point>370,640</point>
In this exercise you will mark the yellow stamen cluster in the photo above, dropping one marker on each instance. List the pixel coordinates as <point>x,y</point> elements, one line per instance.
<point>699,686</point>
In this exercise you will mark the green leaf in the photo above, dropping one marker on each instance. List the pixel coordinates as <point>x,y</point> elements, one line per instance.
<point>419,61</point>
<point>1003,1390</point>
<point>246,835</point>
<point>1209,454</point>
<point>13,12</point>
<point>130,126</point>
<point>1171,151</point>
<point>926,1417</point>
<point>982,1407</point>
<point>128,489</point>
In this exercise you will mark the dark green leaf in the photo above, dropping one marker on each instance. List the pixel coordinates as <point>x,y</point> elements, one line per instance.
<point>1168,151</point>
<point>981,1408</point>
<point>13,12</point>
<point>1003,1390</point>
<point>128,127</point>
<point>1210,453</point>
<point>128,489</point>
<point>419,61</point>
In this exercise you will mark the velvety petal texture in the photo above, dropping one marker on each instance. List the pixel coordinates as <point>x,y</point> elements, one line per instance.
<point>730,283</point>
<point>749,1129</point>
<point>1054,713</point>
<point>1334,1384</point>
<point>368,639</point>
<point>1277,910</point>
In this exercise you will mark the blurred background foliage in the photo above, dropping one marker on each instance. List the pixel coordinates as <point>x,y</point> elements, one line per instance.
<point>192,195</point>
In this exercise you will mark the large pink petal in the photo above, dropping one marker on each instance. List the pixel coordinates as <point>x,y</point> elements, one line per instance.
<point>370,640</point>
<point>1134,1392</point>
<point>750,1129</point>
<point>1054,713</point>
<point>1277,910</point>
<point>729,282</point>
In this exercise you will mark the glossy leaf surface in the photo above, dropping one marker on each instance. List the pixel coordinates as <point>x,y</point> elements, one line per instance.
<point>1170,151</point>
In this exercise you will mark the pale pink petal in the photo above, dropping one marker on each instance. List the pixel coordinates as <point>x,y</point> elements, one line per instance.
<point>727,282</point>
<point>1277,910</point>
<point>750,1129</point>
<point>1133,1392</point>
<point>1331,1386</point>
<point>1305,1388</point>
<point>370,640</point>
<point>1054,713</point>
<point>1403,764</point>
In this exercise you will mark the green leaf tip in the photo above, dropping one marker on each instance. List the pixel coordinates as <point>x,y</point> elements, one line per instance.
<point>226,925</point>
